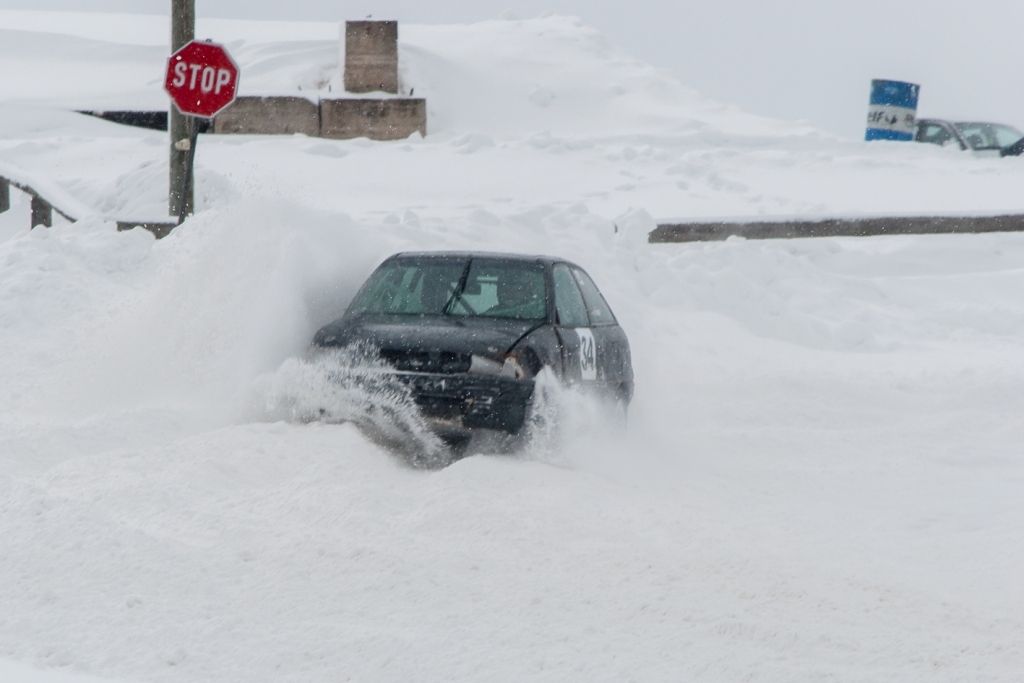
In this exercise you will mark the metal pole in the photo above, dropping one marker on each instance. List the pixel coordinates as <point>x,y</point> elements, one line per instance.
<point>183,29</point>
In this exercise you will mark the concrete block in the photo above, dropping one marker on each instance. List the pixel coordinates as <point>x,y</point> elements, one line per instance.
<point>269,116</point>
<point>377,119</point>
<point>371,56</point>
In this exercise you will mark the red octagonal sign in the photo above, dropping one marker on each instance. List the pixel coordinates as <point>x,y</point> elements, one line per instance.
<point>201,78</point>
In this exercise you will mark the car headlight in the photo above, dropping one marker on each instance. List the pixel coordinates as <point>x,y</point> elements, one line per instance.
<point>521,363</point>
<point>512,367</point>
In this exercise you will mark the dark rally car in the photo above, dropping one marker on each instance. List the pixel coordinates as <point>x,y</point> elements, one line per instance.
<point>469,332</point>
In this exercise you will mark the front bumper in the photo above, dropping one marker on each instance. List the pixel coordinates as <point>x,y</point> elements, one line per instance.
<point>456,402</point>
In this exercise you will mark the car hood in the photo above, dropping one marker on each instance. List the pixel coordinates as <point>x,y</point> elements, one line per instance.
<point>488,337</point>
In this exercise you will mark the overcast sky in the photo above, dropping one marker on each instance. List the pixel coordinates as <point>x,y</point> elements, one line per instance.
<point>794,59</point>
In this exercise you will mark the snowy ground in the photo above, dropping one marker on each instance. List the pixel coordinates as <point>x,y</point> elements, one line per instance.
<point>821,476</point>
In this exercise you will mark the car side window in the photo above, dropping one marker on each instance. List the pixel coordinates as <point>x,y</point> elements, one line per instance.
<point>1005,135</point>
<point>572,311</point>
<point>978,135</point>
<point>597,307</point>
<point>935,134</point>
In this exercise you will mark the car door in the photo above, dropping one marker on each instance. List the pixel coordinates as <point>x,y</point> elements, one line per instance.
<point>572,325</point>
<point>611,348</point>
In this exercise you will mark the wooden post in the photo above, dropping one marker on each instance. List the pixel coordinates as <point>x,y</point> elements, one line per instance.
<point>193,138</point>
<point>180,196</point>
<point>42,212</point>
<point>5,195</point>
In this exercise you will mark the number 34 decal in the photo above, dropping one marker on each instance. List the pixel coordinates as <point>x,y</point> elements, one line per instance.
<point>588,354</point>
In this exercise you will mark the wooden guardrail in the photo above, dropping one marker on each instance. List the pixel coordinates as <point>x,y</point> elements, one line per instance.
<point>59,202</point>
<point>834,227</point>
<point>42,210</point>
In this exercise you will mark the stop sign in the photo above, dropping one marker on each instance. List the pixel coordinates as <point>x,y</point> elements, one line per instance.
<point>201,78</point>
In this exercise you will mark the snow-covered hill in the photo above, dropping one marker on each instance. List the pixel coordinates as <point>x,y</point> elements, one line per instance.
<point>520,113</point>
<point>820,479</point>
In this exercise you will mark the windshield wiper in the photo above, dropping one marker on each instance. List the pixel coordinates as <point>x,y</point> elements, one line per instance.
<point>456,294</point>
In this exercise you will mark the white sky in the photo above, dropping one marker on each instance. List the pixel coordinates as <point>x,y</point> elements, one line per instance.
<point>794,59</point>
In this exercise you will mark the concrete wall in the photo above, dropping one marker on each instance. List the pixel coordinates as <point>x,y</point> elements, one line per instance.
<point>371,56</point>
<point>383,119</point>
<point>377,119</point>
<point>371,65</point>
<point>269,116</point>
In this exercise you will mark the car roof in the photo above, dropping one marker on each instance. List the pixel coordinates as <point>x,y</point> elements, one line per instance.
<point>981,123</point>
<point>503,256</point>
<point>962,123</point>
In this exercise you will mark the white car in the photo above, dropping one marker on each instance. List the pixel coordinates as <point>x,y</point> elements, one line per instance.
<point>980,137</point>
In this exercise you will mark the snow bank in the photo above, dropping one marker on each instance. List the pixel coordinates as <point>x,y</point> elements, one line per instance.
<point>12,671</point>
<point>509,76</point>
<point>822,446</point>
<point>521,113</point>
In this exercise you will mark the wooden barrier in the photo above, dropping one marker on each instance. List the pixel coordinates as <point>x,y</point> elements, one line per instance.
<point>159,229</point>
<point>43,209</point>
<point>42,213</point>
<point>834,227</point>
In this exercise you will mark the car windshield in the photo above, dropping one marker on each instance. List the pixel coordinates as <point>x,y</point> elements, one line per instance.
<point>988,135</point>
<point>463,287</point>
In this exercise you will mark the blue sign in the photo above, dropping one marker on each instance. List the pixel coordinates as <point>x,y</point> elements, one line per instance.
<point>892,110</point>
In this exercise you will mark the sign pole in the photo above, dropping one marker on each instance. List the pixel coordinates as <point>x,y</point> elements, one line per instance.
<point>202,80</point>
<point>182,144</point>
<point>188,181</point>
